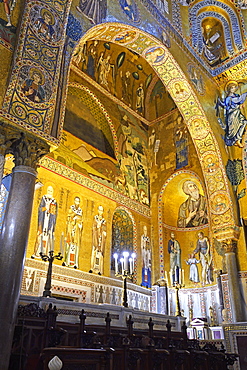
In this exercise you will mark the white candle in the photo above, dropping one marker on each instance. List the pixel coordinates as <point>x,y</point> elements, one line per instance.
<point>116,263</point>
<point>166,278</point>
<point>41,244</point>
<point>122,264</point>
<point>133,255</point>
<point>171,277</point>
<point>131,265</point>
<point>61,243</point>
<point>126,261</point>
<point>52,243</point>
<point>182,276</point>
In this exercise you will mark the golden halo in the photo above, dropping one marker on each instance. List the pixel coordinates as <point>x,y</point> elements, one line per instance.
<point>33,70</point>
<point>231,82</point>
<point>76,195</point>
<point>42,13</point>
<point>46,185</point>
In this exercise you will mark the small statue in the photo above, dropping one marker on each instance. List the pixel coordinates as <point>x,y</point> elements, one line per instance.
<point>211,314</point>
<point>224,314</point>
<point>190,315</point>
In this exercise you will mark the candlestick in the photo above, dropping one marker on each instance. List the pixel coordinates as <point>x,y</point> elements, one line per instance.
<point>131,265</point>
<point>122,264</point>
<point>61,243</point>
<point>171,277</point>
<point>133,255</point>
<point>51,241</point>
<point>182,276</point>
<point>127,266</point>
<point>166,278</point>
<point>116,262</point>
<point>126,261</point>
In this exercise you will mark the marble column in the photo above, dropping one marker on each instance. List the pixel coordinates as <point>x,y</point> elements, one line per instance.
<point>234,287</point>
<point>14,237</point>
<point>233,281</point>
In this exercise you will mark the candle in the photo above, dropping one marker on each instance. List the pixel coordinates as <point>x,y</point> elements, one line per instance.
<point>166,278</point>
<point>171,277</point>
<point>131,265</point>
<point>126,261</point>
<point>122,264</point>
<point>133,255</point>
<point>52,242</point>
<point>182,276</point>
<point>61,243</point>
<point>116,263</point>
<point>41,244</point>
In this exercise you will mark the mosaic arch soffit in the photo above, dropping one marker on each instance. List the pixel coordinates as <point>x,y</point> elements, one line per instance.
<point>176,83</point>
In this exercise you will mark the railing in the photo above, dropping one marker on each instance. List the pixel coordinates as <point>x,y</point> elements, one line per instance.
<point>39,339</point>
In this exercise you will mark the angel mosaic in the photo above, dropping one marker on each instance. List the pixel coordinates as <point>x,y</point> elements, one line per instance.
<point>155,54</point>
<point>234,121</point>
<point>130,9</point>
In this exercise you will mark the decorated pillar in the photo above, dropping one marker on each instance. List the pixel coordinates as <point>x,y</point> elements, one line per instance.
<point>233,280</point>
<point>13,239</point>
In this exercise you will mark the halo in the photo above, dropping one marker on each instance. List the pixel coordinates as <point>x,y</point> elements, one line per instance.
<point>32,70</point>
<point>231,82</point>
<point>53,185</point>
<point>76,195</point>
<point>42,13</point>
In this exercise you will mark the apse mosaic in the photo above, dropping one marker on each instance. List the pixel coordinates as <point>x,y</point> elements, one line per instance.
<point>184,208</point>
<point>181,213</point>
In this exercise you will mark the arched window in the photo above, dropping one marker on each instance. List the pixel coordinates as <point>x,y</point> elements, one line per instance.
<point>122,233</point>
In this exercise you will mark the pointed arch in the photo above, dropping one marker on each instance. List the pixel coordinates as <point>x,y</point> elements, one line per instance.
<point>123,211</point>
<point>176,83</point>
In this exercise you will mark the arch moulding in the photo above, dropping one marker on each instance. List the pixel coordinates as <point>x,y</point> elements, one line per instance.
<point>158,56</point>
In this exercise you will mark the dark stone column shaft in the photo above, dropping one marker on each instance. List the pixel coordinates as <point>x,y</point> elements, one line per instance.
<point>13,242</point>
<point>2,161</point>
<point>234,287</point>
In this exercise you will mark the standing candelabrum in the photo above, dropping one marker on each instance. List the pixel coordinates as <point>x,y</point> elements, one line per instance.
<point>50,259</point>
<point>177,282</point>
<point>127,263</point>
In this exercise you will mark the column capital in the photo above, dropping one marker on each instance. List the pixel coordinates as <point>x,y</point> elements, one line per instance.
<point>8,136</point>
<point>229,245</point>
<point>28,150</point>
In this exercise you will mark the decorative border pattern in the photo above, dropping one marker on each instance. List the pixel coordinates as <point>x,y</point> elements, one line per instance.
<point>66,312</point>
<point>231,332</point>
<point>72,175</point>
<point>226,297</point>
<point>43,55</point>
<point>196,23</point>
